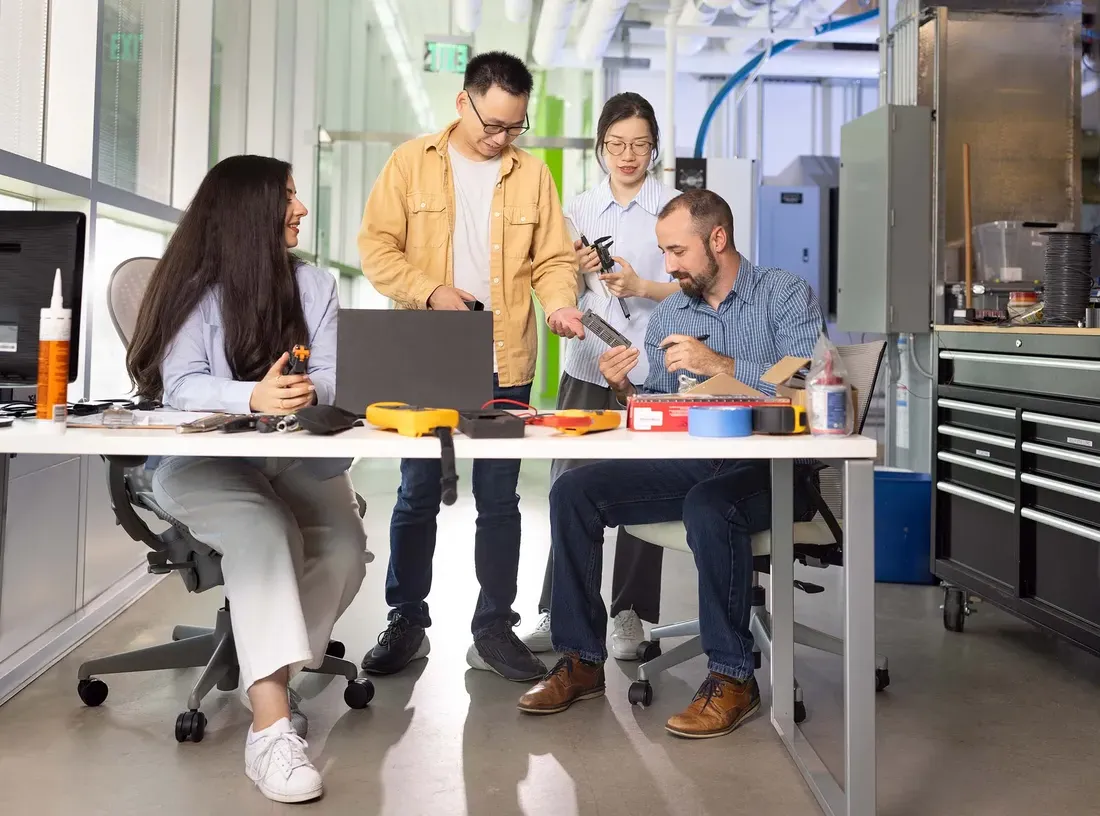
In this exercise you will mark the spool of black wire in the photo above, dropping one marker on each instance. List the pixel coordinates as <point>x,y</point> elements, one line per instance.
<point>1067,277</point>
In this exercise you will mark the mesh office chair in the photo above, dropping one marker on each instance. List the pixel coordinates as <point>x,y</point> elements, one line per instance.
<point>175,550</point>
<point>817,543</point>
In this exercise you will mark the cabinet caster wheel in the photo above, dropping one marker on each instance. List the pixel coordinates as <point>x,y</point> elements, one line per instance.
<point>649,650</point>
<point>882,679</point>
<point>955,609</point>
<point>799,712</point>
<point>359,693</point>
<point>335,649</point>
<point>640,693</point>
<point>190,725</point>
<point>92,692</point>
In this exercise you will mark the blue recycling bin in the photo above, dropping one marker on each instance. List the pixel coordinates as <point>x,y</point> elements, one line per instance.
<point>903,527</point>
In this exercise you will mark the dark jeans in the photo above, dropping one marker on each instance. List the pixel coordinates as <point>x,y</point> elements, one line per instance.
<point>636,576</point>
<point>496,539</point>
<point>722,503</point>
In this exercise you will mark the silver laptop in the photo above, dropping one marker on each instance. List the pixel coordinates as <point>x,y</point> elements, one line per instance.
<point>425,358</point>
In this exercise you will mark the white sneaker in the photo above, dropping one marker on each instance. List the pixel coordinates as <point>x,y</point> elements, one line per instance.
<point>627,635</point>
<point>538,639</point>
<point>275,759</point>
<point>297,718</point>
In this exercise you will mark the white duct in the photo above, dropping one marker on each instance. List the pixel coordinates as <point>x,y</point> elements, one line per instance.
<point>783,15</point>
<point>754,9</point>
<point>467,15</point>
<point>796,63</point>
<point>517,11</point>
<point>551,31</point>
<point>600,24</point>
<point>695,13</point>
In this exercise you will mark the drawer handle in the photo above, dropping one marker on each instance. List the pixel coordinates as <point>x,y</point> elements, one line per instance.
<point>1071,527</point>
<point>1018,360</point>
<point>978,436</point>
<point>1061,487</point>
<point>975,408</point>
<point>974,464</point>
<point>1064,455</point>
<point>1062,422</point>
<point>975,496</point>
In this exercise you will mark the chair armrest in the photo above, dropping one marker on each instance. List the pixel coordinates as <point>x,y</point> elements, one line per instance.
<point>122,504</point>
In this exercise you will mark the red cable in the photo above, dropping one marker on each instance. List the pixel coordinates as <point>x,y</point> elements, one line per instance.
<point>517,403</point>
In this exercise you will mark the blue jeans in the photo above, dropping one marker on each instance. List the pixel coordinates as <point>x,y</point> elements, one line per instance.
<point>722,503</point>
<point>496,539</point>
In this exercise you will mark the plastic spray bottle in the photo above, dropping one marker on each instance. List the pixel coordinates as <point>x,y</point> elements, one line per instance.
<point>54,332</point>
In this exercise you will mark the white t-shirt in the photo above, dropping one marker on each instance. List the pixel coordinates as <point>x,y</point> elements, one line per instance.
<point>474,183</point>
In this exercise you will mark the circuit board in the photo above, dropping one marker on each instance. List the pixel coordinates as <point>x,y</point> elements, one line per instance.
<point>603,330</point>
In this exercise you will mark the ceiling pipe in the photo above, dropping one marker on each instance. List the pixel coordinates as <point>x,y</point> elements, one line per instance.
<point>785,15</point>
<point>598,28</point>
<point>697,13</point>
<point>467,15</point>
<point>551,31</point>
<point>517,11</point>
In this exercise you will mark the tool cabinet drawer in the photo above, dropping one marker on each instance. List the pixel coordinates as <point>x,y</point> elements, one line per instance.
<point>1049,495</point>
<point>977,444</point>
<point>975,416</point>
<point>978,531</point>
<point>1061,431</point>
<point>1070,377</point>
<point>1067,465</point>
<point>1067,564</point>
<point>977,474</point>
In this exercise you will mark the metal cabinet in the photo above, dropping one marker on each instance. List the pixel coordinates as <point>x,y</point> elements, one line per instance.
<point>1017,474</point>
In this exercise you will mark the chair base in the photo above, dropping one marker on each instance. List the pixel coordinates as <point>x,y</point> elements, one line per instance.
<point>214,651</point>
<point>760,624</point>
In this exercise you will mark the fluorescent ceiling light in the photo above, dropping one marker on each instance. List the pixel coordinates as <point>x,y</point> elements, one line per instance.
<point>411,75</point>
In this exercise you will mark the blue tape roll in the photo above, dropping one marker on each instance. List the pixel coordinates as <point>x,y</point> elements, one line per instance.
<point>720,420</point>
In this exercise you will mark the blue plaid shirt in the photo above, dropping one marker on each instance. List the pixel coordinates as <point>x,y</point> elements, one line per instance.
<point>770,314</point>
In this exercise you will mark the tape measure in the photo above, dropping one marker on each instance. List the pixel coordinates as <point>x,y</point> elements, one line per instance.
<point>410,420</point>
<point>779,419</point>
<point>574,422</point>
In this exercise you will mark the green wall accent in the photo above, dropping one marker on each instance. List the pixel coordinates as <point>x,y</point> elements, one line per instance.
<point>549,120</point>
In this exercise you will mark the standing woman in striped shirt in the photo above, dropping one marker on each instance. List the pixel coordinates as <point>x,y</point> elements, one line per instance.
<point>624,205</point>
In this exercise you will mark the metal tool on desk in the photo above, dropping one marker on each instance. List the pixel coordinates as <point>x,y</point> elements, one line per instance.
<point>607,263</point>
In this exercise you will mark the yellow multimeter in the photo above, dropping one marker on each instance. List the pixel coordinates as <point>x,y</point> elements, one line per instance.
<point>409,420</point>
<point>575,422</point>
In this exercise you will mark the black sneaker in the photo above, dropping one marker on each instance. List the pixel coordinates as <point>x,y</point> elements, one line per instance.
<point>399,645</point>
<point>502,652</point>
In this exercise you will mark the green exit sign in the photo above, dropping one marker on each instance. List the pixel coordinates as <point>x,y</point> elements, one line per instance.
<point>443,57</point>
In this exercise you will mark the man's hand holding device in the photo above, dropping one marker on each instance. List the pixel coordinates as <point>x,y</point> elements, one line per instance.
<point>616,365</point>
<point>279,393</point>
<point>686,353</point>
<point>450,299</point>
<point>566,322</point>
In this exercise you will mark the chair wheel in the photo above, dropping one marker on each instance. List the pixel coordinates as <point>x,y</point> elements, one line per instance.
<point>335,649</point>
<point>640,693</point>
<point>955,609</point>
<point>799,711</point>
<point>359,693</point>
<point>92,692</point>
<point>649,650</point>
<point>190,725</point>
<point>882,679</point>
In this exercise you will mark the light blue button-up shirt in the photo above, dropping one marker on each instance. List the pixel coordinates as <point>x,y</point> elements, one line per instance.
<point>197,375</point>
<point>770,314</point>
<point>632,228</point>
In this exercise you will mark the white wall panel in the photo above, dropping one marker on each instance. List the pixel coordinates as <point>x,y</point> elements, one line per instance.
<point>190,159</point>
<point>70,104</point>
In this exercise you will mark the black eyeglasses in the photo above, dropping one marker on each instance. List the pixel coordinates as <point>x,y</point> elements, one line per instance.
<point>493,130</point>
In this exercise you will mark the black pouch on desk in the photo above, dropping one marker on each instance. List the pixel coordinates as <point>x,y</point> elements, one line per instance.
<point>326,420</point>
<point>491,424</point>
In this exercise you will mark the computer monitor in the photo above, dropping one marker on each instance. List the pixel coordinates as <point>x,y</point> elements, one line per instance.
<point>32,246</point>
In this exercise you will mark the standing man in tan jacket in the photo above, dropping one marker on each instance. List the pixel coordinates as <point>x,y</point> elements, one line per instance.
<point>456,217</point>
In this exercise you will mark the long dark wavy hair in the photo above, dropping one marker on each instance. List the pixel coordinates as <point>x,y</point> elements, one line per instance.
<point>230,240</point>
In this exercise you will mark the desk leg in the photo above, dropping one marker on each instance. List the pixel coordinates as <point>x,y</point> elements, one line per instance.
<point>782,592</point>
<point>858,796</point>
<point>859,637</point>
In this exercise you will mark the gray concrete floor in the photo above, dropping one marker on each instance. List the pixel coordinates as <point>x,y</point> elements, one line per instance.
<point>999,720</point>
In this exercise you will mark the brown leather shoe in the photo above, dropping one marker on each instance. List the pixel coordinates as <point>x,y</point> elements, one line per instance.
<point>569,681</point>
<point>720,705</point>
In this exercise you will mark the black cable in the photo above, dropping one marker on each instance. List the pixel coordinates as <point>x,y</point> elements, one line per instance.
<point>1067,277</point>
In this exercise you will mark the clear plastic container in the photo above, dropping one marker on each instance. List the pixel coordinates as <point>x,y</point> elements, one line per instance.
<point>1011,251</point>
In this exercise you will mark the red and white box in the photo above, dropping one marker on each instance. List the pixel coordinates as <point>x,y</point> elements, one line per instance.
<point>669,412</point>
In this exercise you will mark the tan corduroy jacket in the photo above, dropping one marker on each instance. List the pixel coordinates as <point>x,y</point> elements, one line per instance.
<point>408,224</point>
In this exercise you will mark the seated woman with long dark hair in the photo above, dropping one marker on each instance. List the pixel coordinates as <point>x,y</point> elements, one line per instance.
<point>224,306</point>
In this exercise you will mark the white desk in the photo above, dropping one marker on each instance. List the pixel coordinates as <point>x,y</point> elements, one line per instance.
<point>854,454</point>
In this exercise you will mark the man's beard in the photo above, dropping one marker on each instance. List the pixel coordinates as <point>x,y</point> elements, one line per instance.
<point>696,286</point>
